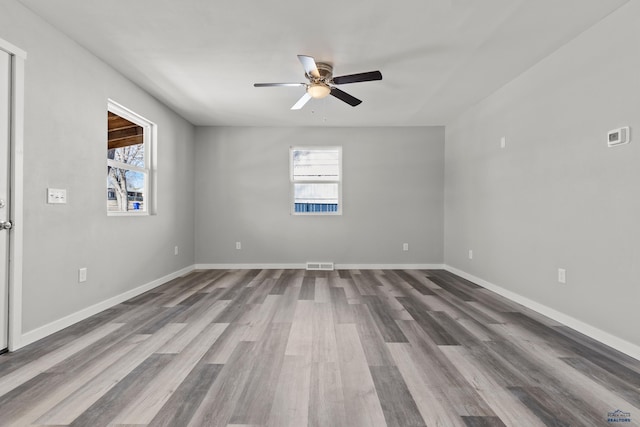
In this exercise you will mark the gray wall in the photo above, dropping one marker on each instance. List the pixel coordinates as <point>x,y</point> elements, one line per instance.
<point>392,193</point>
<point>556,197</point>
<point>66,95</point>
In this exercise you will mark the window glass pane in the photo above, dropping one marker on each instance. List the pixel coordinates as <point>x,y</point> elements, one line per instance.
<point>316,197</point>
<point>316,165</point>
<point>125,190</point>
<point>131,155</point>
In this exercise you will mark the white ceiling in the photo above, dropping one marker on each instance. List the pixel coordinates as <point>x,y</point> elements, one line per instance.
<point>437,57</point>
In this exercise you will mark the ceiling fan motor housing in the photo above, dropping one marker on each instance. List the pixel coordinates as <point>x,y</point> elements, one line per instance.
<point>326,73</point>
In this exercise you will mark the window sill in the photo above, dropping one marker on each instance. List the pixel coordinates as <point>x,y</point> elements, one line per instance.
<point>316,214</point>
<point>144,213</point>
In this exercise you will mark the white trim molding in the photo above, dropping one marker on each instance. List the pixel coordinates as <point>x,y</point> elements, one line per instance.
<point>250,266</point>
<point>13,50</point>
<point>16,142</point>
<point>591,331</point>
<point>57,325</point>
<point>303,266</point>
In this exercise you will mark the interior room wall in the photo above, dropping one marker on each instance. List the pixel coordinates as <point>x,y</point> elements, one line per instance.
<point>66,92</point>
<point>392,194</point>
<point>556,196</point>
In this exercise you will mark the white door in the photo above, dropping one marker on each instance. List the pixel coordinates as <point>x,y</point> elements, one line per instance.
<point>5,224</point>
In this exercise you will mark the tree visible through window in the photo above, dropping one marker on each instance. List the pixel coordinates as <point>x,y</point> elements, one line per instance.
<point>316,180</point>
<point>128,149</point>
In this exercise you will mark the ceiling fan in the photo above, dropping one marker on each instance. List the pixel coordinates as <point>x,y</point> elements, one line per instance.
<point>321,82</point>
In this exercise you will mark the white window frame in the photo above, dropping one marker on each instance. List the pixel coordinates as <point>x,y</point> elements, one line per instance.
<point>149,169</point>
<point>292,201</point>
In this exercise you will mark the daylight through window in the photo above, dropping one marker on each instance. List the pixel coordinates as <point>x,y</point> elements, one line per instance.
<point>128,161</point>
<point>316,178</point>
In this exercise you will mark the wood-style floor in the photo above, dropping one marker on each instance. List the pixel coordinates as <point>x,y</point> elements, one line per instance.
<point>294,348</point>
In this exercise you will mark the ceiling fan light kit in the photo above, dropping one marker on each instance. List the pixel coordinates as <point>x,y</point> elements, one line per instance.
<point>321,82</point>
<point>318,90</point>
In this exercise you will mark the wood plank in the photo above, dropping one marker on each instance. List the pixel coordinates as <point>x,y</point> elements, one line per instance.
<point>257,326</point>
<point>182,404</point>
<point>342,312</point>
<point>435,410</point>
<point>442,375</point>
<point>262,290</point>
<point>413,282</point>
<point>326,398</point>
<point>371,340</point>
<point>383,319</point>
<point>108,406</point>
<point>457,291</point>
<point>398,406</point>
<point>80,400</point>
<point>549,412</point>
<point>143,407</point>
<point>159,321</point>
<point>428,324</point>
<point>14,379</point>
<point>194,329</point>
<point>324,346</point>
<point>308,289</point>
<point>365,284</point>
<point>322,294</point>
<point>606,379</point>
<point>474,421</point>
<point>256,399</point>
<point>585,398</point>
<point>358,388</point>
<point>503,402</point>
<point>344,274</point>
<point>286,305</point>
<point>300,341</point>
<point>23,405</point>
<point>287,279</point>
<point>221,399</point>
<point>237,308</point>
<point>225,346</point>
<point>290,406</point>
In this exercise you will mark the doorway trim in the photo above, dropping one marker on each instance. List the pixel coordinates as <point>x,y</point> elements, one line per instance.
<point>16,143</point>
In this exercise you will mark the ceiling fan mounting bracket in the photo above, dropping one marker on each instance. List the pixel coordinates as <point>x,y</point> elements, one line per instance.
<point>326,73</point>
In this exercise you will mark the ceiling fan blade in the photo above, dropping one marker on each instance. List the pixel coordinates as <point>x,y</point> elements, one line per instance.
<point>344,96</point>
<point>298,105</point>
<point>356,78</point>
<point>309,65</point>
<point>278,84</point>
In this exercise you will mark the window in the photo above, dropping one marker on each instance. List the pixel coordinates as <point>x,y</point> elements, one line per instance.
<point>129,147</point>
<point>316,180</point>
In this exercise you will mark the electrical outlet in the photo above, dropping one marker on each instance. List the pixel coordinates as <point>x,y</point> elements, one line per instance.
<point>562,275</point>
<point>175,250</point>
<point>470,254</point>
<point>238,245</point>
<point>503,142</point>
<point>82,275</point>
<point>405,247</point>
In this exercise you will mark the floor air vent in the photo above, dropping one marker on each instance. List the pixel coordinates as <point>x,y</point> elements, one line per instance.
<point>326,266</point>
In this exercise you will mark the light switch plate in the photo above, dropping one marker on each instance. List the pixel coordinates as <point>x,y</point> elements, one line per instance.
<point>56,195</point>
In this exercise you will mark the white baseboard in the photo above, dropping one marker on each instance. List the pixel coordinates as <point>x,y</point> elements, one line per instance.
<point>389,266</point>
<point>613,341</point>
<point>249,266</point>
<point>57,325</point>
<point>303,266</point>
